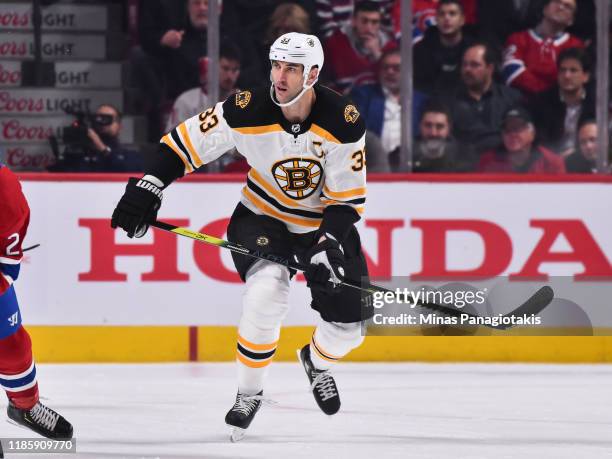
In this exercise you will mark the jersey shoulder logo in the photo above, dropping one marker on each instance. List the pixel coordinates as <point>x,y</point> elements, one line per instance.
<point>351,114</point>
<point>243,98</point>
<point>298,178</point>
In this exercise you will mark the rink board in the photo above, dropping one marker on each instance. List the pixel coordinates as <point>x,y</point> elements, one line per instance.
<point>88,294</point>
<point>83,344</point>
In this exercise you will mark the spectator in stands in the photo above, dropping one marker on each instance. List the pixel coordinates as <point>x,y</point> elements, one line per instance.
<point>479,103</point>
<point>558,111</point>
<point>379,103</point>
<point>424,16</point>
<point>584,161</point>
<point>334,15</point>
<point>530,57</point>
<point>437,58</point>
<point>102,151</point>
<point>435,150</point>
<point>351,53</point>
<point>160,25</point>
<point>182,63</point>
<point>195,100</point>
<point>519,154</point>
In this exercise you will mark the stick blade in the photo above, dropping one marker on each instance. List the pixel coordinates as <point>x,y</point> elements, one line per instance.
<point>534,305</point>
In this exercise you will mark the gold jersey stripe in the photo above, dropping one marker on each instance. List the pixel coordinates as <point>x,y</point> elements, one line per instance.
<point>251,363</point>
<point>259,129</point>
<point>318,130</point>
<point>257,347</point>
<point>355,192</point>
<point>168,141</point>
<point>266,209</point>
<point>187,141</point>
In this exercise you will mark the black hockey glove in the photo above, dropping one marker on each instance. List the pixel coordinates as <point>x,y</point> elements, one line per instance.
<point>326,269</point>
<point>138,207</point>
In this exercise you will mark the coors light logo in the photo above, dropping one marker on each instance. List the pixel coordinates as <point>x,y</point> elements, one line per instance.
<point>14,130</point>
<point>38,102</point>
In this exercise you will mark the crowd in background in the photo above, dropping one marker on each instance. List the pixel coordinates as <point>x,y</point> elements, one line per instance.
<point>499,86</point>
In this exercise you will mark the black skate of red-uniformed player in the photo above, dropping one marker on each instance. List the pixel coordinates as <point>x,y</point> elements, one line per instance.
<point>304,193</point>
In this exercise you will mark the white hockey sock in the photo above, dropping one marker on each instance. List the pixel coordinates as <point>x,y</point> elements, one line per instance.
<point>265,304</point>
<point>332,340</point>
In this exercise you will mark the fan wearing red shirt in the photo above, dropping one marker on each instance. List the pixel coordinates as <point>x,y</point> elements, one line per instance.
<point>519,154</point>
<point>530,56</point>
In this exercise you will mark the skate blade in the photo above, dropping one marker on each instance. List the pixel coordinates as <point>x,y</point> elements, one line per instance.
<point>16,424</point>
<point>236,434</point>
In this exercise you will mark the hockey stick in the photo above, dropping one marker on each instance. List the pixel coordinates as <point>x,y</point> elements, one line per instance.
<point>536,303</point>
<point>32,247</point>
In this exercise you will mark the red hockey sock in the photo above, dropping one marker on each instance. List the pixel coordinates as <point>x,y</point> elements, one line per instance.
<point>17,369</point>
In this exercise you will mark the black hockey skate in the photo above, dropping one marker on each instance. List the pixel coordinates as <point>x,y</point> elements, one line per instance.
<point>322,384</point>
<point>42,420</point>
<point>241,415</point>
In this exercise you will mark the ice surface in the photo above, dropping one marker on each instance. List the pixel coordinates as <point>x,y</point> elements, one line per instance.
<point>388,411</point>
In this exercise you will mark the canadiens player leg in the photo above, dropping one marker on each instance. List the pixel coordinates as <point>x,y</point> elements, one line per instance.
<point>314,139</point>
<point>17,369</point>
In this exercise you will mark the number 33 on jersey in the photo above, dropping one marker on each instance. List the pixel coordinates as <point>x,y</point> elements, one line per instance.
<point>297,169</point>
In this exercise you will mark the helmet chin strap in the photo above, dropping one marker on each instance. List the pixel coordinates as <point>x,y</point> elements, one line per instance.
<point>292,101</point>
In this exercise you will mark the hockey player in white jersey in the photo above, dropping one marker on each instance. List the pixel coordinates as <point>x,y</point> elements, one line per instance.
<point>305,190</point>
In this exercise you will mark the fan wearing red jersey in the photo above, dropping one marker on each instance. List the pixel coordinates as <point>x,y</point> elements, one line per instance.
<point>17,369</point>
<point>530,56</point>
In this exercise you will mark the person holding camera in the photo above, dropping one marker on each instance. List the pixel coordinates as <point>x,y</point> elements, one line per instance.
<point>98,149</point>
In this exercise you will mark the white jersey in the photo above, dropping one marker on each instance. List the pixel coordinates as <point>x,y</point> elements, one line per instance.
<point>297,170</point>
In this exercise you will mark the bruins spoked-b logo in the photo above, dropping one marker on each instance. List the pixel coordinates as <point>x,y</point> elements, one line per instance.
<point>298,178</point>
<point>262,241</point>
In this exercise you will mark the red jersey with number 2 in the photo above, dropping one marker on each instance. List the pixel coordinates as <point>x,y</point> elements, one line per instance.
<point>14,219</point>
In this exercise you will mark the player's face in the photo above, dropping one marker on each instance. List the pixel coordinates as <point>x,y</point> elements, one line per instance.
<point>366,24</point>
<point>434,126</point>
<point>449,19</point>
<point>229,71</point>
<point>560,11</point>
<point>518,136</point>
<point>571,75</point>
<point>288,80</point>
<point>587,139</point>
<point>390,72</point>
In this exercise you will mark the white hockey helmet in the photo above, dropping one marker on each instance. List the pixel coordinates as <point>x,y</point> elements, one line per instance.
<point>299,48</point>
